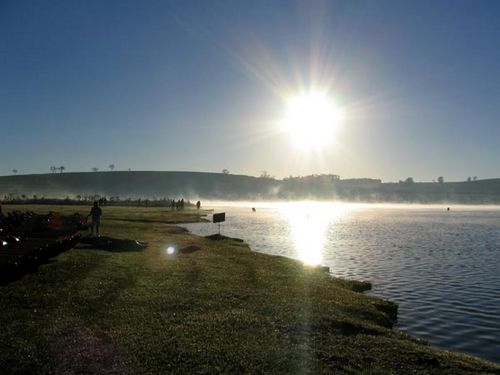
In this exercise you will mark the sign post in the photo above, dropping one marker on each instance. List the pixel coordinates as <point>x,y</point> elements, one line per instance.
<point>219,218</point>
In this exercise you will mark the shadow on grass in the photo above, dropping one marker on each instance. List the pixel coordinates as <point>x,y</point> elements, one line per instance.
<point>11,276</point>
<point>189,249</point>
<point>112,244</point>
<point>27,256</point>
<point>79,350</point>
<point>220,237</point>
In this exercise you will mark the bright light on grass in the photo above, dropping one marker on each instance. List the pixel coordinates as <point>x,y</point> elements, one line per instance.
<point>170,250</point>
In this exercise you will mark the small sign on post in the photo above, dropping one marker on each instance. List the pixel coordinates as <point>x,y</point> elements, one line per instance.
<point>219,218</point>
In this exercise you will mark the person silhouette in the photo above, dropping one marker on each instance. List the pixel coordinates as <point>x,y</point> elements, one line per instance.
<point>96,214</point>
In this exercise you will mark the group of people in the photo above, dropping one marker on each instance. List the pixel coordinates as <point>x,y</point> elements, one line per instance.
<point>96,213</point>
<point>177,205</point>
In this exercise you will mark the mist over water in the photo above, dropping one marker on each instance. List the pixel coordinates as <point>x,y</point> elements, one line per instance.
<point>441,267</point>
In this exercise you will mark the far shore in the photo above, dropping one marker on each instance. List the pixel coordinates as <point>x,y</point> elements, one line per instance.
<point>209,185</point>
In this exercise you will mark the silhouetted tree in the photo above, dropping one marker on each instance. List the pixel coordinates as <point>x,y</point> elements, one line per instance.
<point>112,167</point>
<point>409,181</point>
<point>474,178</point>
<point>62,168</point>
<point>14,171</point>
<point>53,169</point>
<point>440,179</point>
<point>264,174</point>
<point>95,169</point>
<point>469,179</point>
<point>225,171</point>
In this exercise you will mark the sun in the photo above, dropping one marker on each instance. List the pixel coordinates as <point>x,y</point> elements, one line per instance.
<point>311,119</point>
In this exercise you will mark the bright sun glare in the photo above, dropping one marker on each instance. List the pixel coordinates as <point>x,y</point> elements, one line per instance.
<point>311,120</point>
<point>308,225</point>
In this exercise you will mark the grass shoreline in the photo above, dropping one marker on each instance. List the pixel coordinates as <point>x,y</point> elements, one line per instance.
<point>221,308</point>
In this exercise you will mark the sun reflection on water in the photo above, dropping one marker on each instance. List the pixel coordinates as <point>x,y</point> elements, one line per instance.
<point>308,224</point>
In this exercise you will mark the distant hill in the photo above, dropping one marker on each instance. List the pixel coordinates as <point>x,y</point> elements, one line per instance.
<point>194,185</point>
<point>470,192</point>
<point>136,184</point>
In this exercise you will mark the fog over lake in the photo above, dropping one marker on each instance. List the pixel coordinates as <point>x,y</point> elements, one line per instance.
<point>441,267</point>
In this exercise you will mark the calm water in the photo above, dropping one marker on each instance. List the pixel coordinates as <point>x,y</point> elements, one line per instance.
<point>442,268</point>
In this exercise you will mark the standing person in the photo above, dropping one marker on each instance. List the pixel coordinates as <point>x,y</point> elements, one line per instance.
<point>96,214</point>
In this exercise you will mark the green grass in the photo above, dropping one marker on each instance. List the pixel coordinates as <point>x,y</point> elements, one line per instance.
<point>222,309</point>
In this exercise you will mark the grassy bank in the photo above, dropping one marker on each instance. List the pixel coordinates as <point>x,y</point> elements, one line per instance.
<point>219,309</point>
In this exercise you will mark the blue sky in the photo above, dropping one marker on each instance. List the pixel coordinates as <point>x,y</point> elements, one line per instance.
<point>200,86</point>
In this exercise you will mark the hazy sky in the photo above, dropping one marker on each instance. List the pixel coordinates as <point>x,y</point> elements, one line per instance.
<point>201,85</point>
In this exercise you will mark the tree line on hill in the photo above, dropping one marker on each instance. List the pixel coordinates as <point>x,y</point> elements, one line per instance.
<point>225,186</point>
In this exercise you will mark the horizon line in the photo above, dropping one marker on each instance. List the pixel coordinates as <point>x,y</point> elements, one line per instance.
<point>243,175</point>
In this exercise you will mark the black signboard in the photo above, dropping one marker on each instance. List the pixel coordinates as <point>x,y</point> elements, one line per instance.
<point>217,218</point>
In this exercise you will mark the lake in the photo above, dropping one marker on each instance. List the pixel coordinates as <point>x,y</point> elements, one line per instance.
<point>441,267</point>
